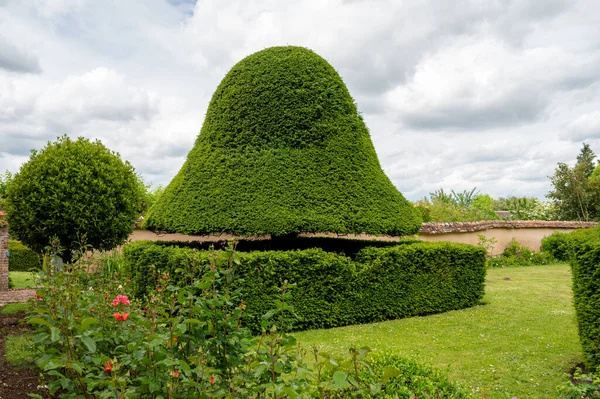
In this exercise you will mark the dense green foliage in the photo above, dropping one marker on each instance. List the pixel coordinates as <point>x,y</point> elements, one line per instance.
<point>515,255</point>
<point>330,289</point>
<point>525,208</point>
<point>580,385</point>
<point>414,380</point>
<point>78,191</point>
<point>576,190</point>
<point>472,206</point>
<point>437,210</point>
<point>5,178</point>
<point>466,206</point>
<point>22,258</point>
<point>557,245</point>
<point>584,251</point>
<point>282,150</point>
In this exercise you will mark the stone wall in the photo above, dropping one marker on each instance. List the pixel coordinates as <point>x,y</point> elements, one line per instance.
<point>3,259</point>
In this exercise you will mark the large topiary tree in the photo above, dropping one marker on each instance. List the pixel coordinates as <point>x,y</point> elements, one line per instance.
<point>283,150</point>
<point>78,191</point>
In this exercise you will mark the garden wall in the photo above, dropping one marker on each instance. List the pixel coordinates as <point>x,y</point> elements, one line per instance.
<point>3,259</point>
<point>528,233</point>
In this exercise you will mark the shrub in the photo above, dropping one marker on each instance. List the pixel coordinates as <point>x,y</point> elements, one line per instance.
<point>74,190</point>
<point>22,258</point>
<point>185,341</point>
<point>331,289</point>
<point>515,255</point>
<point>282,150</point>
<point>557,245</point>
<point>406,379</point>
<point>584,251</point>
<point>580,385</point>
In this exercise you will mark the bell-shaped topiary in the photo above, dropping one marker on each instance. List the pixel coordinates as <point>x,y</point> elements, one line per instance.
<point>283,150</point>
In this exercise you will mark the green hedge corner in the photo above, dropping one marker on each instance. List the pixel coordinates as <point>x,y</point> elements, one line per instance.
<point>283,150</point>
<point>584,251</point>
<point>22,258</point>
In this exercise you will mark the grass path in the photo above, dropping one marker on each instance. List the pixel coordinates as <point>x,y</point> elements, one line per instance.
<point>519,344</point>
<point>22,279</point>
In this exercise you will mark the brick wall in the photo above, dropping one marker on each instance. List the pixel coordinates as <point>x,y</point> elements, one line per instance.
<point>3,259</point>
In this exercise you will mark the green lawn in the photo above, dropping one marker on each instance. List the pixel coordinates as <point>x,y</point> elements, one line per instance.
<point>22,279</point>
<point>519,344</point>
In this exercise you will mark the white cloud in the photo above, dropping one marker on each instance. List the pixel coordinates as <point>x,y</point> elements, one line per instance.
<point>584,127</point>
<point>456,94</point>
<point>99,94</point>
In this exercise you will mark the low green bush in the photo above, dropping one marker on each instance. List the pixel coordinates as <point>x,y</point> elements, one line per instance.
<point>515,255</point>
<point>557,245</point>
<point>580,385</point>
<point>333,290</point>
<point>410,380</point>
<point>584,254</point>
<point>22,258</point>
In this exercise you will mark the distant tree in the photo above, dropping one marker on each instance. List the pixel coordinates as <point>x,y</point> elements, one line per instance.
<point>462,199</point>
<point>465,206</point>
<point>442,196</point>
<point>575,192</point>
<point>465,198</point>
<point>5,179</point>
<point>483,203</point>
<point>586,159</point>
<point>525,208</point>
<point>78,191</point>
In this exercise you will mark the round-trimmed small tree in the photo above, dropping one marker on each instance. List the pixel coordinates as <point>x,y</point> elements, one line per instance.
<point>283,150</point>
<point>76,190</point>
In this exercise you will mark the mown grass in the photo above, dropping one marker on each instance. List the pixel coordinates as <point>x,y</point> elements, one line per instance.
<point>520,343</point>
<point>22,279</point>
<point>13,308</point>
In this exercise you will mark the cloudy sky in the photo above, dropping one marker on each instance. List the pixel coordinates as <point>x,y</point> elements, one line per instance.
<point>457,94</point>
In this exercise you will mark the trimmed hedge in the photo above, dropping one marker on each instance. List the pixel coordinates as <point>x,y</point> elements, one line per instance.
<point>557,245</point>
<point>22,258</point>
<point>331,289</point>
<point>584,252</point>
<point>283,150</point>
